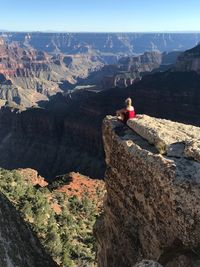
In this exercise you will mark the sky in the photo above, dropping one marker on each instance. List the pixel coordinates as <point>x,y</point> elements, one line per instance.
<point>100,15</point>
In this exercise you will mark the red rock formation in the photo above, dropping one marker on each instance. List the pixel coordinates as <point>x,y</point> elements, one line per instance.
<point>76,184</point>
<point>80,185</point>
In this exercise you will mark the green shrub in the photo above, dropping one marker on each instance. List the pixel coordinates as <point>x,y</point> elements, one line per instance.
<point>67,236</point>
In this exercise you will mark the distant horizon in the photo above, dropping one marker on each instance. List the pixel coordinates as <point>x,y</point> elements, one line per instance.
<point>119,32</point>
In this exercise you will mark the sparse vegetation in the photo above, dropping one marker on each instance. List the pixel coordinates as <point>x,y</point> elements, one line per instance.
<point>66,233</point>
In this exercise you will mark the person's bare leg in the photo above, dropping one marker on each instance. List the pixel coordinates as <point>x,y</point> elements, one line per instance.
<point>120,116</point>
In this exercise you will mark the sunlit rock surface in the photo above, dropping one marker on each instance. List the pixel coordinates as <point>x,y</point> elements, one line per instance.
<point>171,138</point>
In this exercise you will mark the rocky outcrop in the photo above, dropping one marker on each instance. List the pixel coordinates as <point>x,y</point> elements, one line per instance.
<point>151,209</point>
<point>143,63</point>
<point>18,244</point>
<point>170,138</point>
<point>189,60</point>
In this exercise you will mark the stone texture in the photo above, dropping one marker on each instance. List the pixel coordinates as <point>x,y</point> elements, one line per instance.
<point>151,209</point>
<point>170,138</point>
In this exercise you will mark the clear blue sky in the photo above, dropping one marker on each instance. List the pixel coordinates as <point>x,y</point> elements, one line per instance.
<point>100,15</point>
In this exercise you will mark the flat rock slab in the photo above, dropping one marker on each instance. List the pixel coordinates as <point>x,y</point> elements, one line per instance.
<point>170,138</point>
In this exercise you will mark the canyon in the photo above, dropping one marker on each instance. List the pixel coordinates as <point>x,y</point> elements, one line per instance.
<point>31,74</point>
<point>50,123</point>
<point>64,134</point>
<point>28,76</point>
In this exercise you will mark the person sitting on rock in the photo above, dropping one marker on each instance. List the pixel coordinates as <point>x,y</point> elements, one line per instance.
<point>126,113</point>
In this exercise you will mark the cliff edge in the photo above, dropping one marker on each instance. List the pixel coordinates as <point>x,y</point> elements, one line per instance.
<point>152,205</point>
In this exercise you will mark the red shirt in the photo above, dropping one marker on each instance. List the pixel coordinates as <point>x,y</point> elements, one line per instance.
<point>129,114</point>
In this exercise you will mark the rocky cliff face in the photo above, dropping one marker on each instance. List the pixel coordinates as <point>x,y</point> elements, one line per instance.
<point>143,63</point>
<point>127,70</point>
<point>151,210</point>
<point>189,60</point>
<point>171,95</point>
<point>18,245</point>
<point>131,69</point>
<point>51,142</point>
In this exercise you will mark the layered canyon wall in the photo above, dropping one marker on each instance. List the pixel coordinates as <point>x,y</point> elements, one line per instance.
<point>151,209</point>
<point>29,76</point>
<point>116,43</point>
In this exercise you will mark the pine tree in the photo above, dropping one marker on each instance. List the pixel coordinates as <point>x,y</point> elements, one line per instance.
<point>53,241</point>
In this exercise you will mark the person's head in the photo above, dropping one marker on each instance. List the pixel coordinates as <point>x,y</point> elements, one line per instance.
<point>128,102</point>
